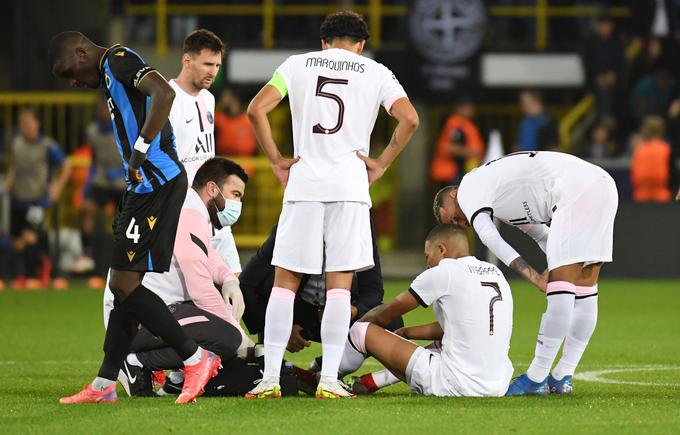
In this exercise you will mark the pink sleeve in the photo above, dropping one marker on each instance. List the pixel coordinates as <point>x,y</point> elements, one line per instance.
<point>192,253</point>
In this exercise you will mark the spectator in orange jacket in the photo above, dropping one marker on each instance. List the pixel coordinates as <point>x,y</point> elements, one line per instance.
<point>650,165</point>
<point>234,134</point>
<point>459,148</point>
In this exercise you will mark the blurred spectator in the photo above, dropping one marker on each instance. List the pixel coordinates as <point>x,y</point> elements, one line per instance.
<point>647,61</point>
<point>233,132</point>
<point>650,165</point>
<point>538,129</point>
<point>603,58</point>
<point>652,95</point>
<point>33,188</point>
<point>103,190</point>
<point>674,136</point>
<point>602,142</point>
<point>459,148</point>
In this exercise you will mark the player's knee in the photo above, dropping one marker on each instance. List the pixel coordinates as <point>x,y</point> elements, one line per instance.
<point>225,344</point>
<point>357,336</point>
<point>122,284</point>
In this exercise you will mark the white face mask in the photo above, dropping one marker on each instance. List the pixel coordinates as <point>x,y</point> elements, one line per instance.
<point>230,213</point>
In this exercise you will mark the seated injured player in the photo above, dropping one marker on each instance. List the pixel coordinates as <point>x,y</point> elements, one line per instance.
<point>208,315</point>
<point>473,305</point>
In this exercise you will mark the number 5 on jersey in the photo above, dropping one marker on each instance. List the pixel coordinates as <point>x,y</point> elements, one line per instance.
<point>320,83</point>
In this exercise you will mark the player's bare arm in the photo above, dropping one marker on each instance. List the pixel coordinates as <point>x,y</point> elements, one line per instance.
<point>431,331</point>
<point>540,280</point>
<point>264,102</point>
<point>162,95</point>
<point>404,112</point>
<point>384,313</point>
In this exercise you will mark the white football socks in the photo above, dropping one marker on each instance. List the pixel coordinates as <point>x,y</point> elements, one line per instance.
<point>554,327</point>
<point>278,323</point>
<point>133,360</point>
<point>101,384</point>
<point>384,378</point>
<point>351,360</point>
<point>334,328</point>
<point>582,327</point>
<point>195,358</point>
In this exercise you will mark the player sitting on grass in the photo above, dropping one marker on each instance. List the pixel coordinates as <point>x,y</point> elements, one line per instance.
<point>473,305</point>
<point>567,206</point>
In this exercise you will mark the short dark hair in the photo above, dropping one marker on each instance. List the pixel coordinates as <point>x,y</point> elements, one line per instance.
<point>218,169</point>
<point>439,201</point>
<point>60,42</point>
<point>344,24</point>
<point>445,230</point>
<point>203,38</point>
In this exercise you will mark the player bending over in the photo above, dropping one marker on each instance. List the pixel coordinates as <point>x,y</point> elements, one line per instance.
<point>578,200</point>
<point>139,100</point>
<point>473,305</point>
<point>335,95</point>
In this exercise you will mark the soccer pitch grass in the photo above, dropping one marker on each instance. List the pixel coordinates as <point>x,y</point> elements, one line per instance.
<point>50,346</point>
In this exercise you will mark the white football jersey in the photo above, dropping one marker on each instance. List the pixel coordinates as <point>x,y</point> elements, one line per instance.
<point>473,304</point>
<point>334,97</point>
<point>525,188</point>
<point>193,123</point>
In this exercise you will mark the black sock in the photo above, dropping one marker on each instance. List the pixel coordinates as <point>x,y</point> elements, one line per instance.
<point>151,312</point>
<point>121,329</point>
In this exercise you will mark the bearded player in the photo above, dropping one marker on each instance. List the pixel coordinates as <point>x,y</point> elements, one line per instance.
<point>568,207</point>
<point>334,95</point>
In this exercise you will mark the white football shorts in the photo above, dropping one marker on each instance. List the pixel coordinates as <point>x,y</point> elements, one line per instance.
<point>582,231</point>
<point>307,230</point>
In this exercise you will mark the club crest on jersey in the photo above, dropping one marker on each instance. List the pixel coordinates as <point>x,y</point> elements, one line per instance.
<point>131,255</point>
<point>210,117</point>
<point>152,221</point>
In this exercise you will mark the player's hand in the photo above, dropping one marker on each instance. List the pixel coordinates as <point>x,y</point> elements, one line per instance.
<point>135,177</point>
<point>677,195</point>
<point>297,342</point>
<point>231,292</point>
<point>401,332</point>
<point>374,169</point>
<point>281,169</point>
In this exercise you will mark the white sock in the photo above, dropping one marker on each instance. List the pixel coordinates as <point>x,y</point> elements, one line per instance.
<point>133,360</point>
<point>351,360</point>
<point>555,324</point>
<point>582,327</point>
<point>334,328</point>
<point>195,358</point>
<point>176,377</point>
<point>278,323</point>
<point>101,384</point>
<point>384,378</point>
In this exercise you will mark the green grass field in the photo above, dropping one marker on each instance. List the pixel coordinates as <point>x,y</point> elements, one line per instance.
<point>50,346</point>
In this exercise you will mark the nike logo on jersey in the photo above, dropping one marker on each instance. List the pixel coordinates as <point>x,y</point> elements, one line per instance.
<point>152,221</point>
<point>189,120</point>
<point>131,255</point>
<point>127,371</point>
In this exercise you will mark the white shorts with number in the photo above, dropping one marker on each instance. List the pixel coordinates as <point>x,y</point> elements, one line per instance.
<point>582,231</point>
<point>307,230</point>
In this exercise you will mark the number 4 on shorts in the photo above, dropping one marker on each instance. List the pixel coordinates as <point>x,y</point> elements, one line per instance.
<point>132,231</point>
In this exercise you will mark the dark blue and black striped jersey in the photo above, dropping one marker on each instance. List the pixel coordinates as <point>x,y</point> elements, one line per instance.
<point>122,70</point>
